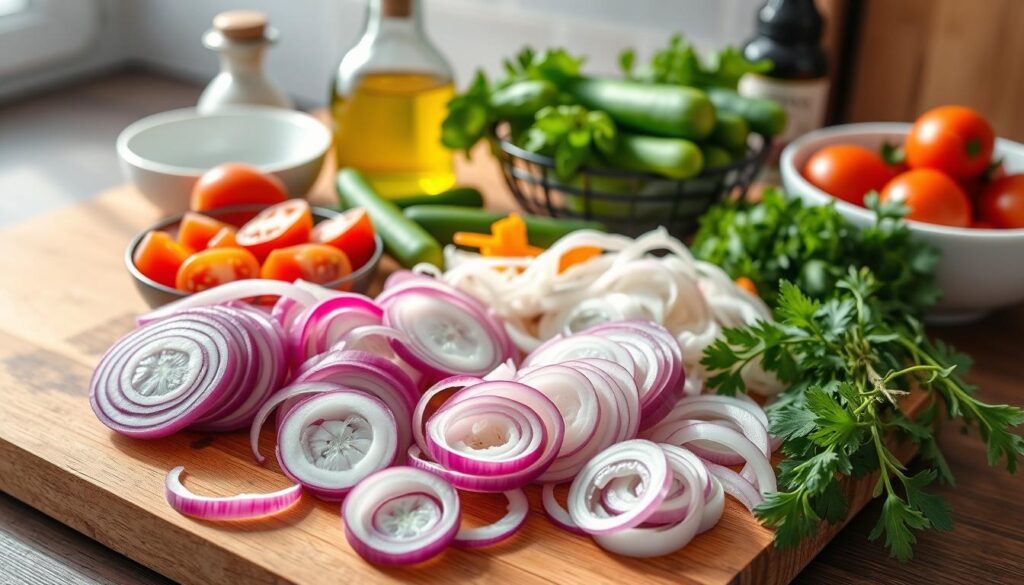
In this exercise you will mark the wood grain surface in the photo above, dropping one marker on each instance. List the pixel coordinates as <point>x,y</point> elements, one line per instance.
<point>55,456</point>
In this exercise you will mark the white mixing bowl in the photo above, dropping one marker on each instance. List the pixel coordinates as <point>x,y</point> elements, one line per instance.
<point>981,269</point>
<point>164,154</point>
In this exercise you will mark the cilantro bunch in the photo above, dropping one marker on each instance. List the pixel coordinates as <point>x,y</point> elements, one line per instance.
<point>847,352</point>
<point>680,63</point>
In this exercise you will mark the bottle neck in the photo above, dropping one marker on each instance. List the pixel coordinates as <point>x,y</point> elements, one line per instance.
<point>398,16</point>
<point>243,59</point>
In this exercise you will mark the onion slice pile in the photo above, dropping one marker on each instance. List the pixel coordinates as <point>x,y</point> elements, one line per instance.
<point>240,507</point>
<point>401,516</point>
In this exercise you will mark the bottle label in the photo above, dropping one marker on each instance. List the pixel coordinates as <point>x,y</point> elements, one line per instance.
<point>805,101</point>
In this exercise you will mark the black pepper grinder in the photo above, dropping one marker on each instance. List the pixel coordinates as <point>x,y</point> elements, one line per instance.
<point>789,34</point>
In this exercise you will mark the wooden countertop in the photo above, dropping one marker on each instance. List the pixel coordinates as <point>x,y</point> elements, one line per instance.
<point>985,546</point>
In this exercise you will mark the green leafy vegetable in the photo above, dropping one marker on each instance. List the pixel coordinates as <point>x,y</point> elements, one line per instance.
<point>847,360</point>
<point>571,135</point>
<point>680,64</point>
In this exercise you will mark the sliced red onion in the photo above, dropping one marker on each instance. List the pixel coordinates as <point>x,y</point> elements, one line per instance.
<point>643,459</point>
<point>716,408</point>
<point>446,335</point>
<point>505,371</point>
<point>576,400</point>
<point>627,394</point>
<point>756,460</point>
<point>374,375</point>
<point>509,524</point>
<point>401,516</point>
<point>427,400</point>
<point>231,291</point>
<point>563,349</point>
<point>378,340</point>
<point>331,441</point>
<point>661,540</point>
<point>162,377</point>
<point>289,393</point>
<point>736,485</point>
<point>556,512</point>
<point>331,319</point>
<point>240,507</point>
<point>714,507</point>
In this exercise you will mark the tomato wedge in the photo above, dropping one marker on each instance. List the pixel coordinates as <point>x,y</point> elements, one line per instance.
<point>158,256</point>
<point>208,268</point>
<point>317,263</point>
<point>284,224</point>
<point>196,230</point>
<point>351,232</point>
<point>225,238</point>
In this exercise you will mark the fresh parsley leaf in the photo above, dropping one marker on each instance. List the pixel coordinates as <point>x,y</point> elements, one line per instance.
<point>896,523</point>
<point>836,425</point>
<point>931,506</point>
<point>570,134</point>
<point>790,514</point>
<point>831,504</point>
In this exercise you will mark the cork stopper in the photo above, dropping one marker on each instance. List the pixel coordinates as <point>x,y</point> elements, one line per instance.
<point>396,8</point>
<point>241,25</point>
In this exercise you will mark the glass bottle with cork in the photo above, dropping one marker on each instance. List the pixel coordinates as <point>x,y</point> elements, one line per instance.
<point>388,100</point>
<point>789,34</point>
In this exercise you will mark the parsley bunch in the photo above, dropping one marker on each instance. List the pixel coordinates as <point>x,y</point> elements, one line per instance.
<point>847,357</point>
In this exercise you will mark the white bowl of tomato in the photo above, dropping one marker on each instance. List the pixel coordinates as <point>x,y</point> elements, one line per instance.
<point>166,153</point>
<point>955,208</point>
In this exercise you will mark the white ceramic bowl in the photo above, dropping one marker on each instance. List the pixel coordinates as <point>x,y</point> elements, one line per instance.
<point>981,270</point>
<point>164,154</point>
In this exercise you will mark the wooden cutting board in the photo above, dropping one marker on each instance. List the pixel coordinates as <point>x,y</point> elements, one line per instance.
<point>65,297</point>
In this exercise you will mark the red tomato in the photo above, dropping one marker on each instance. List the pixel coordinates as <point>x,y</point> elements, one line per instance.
<point>317,263</point>
<point>847,171</point>
<point>225,238</point>
<point>931,196</point>
<point>196,230</point>
<point>158,256</point>
<point>208,268</point>
<point>284,224</point>
<point>953,139</point>
<point>1002,203</point>
<point>351,232</point>
<point>236,184</point>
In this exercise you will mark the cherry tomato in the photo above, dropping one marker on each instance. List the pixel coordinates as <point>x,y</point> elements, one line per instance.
<point>847,171</point>
<point>284,224</point>
<point>236,184</point>
<point>317,263</point>
<point>351,232</point>
<point>196,230</point>
<point>953,139</point>
<point>932,197</point>
<point>1002,203</point>
<point>225,238</point>
<point>208,268</point>
<point>158,256</point>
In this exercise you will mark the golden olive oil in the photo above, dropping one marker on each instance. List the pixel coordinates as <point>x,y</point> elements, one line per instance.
<point>389,128</point>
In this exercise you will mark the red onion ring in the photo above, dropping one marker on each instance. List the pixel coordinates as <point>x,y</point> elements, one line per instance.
<point>556,512</point>
<point>401,516</point>
<point>231,291</point>
<point>240,507</point>
<point>509,524</point>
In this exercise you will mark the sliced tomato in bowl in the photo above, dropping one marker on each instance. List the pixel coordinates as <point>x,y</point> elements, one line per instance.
<point>215,266</point>
<point>159,256</point>
<point>285,224</point>
<point>196,230</point>
<point>317,263</point>
<point>351,232</point>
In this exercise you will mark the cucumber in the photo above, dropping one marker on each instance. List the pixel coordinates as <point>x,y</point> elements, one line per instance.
<point>730,131</point>
<point>460,196</point>
<point>675,158</point>
<point>715,156</point>
<point>522,99</point>
<point>661,110</point>
<point>764,116</point>
<point>442,221</point>
<point>404,239</point>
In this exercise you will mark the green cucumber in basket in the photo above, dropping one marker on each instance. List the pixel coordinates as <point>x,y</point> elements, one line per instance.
<point>522,99</point>
<point>461,196</point>
<point>675,158</point>
<point>715,156</point>
<point>442,221</point>
<point>404,239</point>
<point>660,110</point>
<point>764,116</point>
<point>730,132</point>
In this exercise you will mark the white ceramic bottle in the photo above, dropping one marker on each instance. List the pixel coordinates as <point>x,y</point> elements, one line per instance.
<point>241,37</point>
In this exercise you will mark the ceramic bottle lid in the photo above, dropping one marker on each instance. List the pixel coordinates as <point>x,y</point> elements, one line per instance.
<point>241,25</point>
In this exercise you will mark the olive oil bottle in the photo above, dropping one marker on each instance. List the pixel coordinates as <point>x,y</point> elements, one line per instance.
<point>389,98</point>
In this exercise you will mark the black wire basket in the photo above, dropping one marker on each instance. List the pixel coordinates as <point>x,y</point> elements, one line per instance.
<point>626,202</point>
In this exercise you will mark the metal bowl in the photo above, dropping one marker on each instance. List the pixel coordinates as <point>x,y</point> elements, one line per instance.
<point>626,202</point>
<point>156,294</point>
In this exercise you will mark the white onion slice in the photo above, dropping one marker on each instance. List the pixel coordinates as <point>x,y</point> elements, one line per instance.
<point>231,291</point>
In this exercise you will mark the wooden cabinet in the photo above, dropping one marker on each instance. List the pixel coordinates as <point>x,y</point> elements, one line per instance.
<point>911,55</point>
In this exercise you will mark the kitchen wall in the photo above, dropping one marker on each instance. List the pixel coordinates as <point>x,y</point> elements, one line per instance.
<point>471,33</point>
